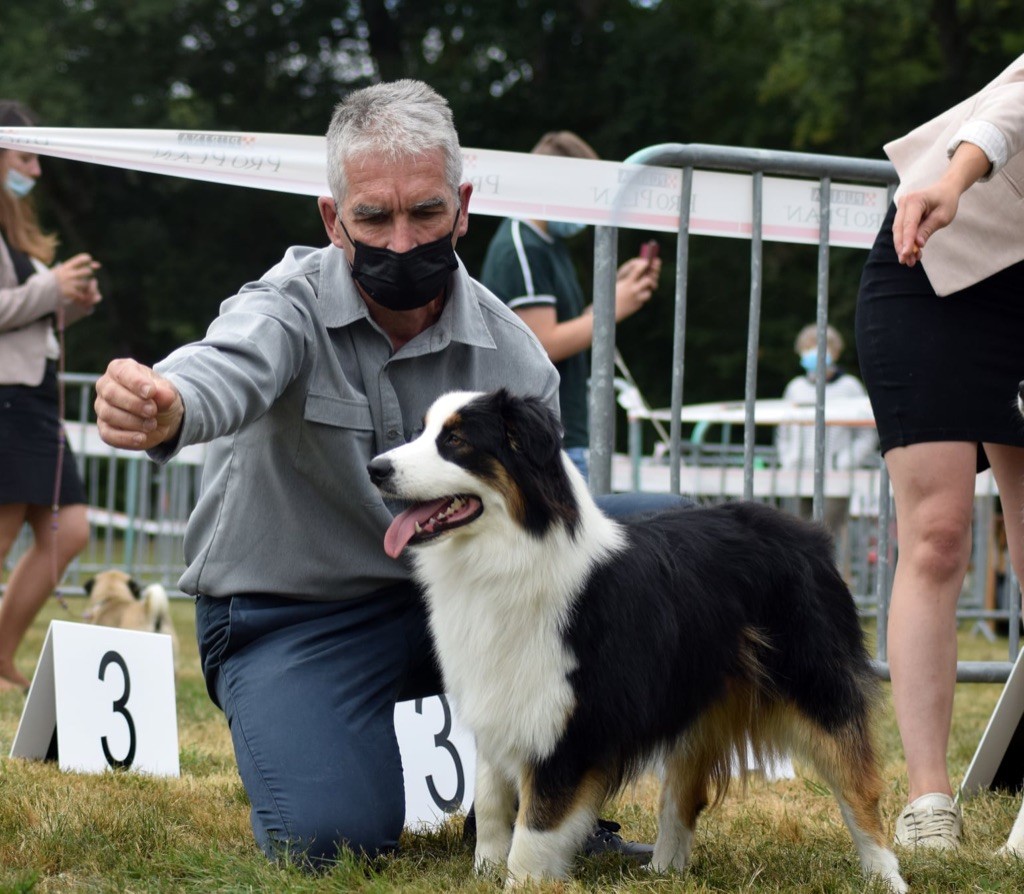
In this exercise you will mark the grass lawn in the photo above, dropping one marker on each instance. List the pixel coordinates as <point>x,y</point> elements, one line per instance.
<point>129,833</point>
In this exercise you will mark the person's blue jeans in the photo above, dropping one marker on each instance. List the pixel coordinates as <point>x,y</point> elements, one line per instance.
<point>580,457</point>
<point>309,692</point>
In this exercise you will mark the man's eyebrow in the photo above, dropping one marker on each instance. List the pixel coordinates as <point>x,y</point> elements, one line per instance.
<point>365,210</point>
<point>430,204</point>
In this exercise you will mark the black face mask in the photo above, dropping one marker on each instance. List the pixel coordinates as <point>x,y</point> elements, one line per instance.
<point>404,280</point>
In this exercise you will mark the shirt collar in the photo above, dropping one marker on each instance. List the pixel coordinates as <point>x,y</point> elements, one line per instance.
<point>461,320</point>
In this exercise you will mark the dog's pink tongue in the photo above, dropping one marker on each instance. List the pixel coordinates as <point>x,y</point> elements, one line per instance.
<point>403,528</point>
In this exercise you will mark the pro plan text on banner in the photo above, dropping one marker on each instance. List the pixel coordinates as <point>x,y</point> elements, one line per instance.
<point>505,184</point>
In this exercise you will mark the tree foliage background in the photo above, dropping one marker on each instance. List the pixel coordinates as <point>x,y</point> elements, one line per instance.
<point>832,76</point>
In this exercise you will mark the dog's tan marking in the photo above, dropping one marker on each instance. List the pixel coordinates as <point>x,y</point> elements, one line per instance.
<point>550,810</point>
<point>846,760</point>
<point>502,482</point>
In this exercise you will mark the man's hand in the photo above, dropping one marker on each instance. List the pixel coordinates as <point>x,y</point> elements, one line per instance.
<point>136,409</point>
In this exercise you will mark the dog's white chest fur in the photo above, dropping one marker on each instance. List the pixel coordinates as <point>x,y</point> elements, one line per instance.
<point>498,628</point>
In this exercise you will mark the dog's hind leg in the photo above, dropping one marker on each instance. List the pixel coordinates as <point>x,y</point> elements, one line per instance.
<point>846,761</point>
<point>494,803</point>
<point>551,826</point>
<point>684,794</point>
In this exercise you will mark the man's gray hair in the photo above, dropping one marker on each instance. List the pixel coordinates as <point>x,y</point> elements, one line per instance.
<point>395,120</point>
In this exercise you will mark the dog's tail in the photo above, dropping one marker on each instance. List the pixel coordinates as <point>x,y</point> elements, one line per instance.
<point>158,608</point>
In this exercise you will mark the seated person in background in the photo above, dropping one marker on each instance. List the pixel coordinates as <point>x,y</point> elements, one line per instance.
<point>845,447</point>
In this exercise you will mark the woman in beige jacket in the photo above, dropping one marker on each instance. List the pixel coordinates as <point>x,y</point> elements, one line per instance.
<point>32,299</point>
<point>939,321</point>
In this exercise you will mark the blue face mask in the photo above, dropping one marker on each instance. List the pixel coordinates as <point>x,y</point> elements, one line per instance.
<point>19,184</point>
<point>565,229</point>
<point>809,360</point>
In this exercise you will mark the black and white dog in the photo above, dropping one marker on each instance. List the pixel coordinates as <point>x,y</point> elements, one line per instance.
<point>580,650</point>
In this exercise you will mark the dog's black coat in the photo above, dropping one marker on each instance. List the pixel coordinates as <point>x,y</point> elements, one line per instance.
<point>658,633</point>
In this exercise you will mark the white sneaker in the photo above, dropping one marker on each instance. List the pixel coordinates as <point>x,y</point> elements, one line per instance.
<point>930,821</point>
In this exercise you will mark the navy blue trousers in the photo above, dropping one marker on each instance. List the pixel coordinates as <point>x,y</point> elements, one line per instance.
<point>309,692</point>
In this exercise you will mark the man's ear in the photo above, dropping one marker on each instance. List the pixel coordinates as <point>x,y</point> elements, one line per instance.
<point>329,215</point>
<point>465,192</point>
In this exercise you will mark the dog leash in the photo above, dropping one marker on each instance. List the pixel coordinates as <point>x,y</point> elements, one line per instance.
<point>61,439</point>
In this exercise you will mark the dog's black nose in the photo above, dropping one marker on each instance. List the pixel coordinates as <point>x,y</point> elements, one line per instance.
<point>1020,390</point>
<point>380,469</point>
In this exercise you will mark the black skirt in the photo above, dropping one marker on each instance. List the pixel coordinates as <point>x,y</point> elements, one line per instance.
<point>940,369</point>
<point>29,433</point>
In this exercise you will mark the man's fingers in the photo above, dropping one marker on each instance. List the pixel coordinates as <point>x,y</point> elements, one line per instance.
<point>163,394</point>
<point>124,396</point>
<point>136,408</point>
<point>122,383</point>
<point>123,420</point>
<point>122,430</point>
<point>132,375</point>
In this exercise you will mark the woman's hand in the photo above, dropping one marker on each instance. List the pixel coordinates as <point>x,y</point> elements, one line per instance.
<point>76,279</point>
<point>924,211</point>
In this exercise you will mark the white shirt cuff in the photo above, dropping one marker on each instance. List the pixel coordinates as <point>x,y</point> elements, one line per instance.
<point>987,137</point>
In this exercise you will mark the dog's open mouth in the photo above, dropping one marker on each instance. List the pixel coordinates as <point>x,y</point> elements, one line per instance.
<point>425,521</point>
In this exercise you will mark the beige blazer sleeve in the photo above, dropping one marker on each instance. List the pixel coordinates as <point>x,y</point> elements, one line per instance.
<point>24,327</point>
<point>987,234</point>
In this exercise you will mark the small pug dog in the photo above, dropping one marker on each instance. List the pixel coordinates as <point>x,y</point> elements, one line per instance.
<point>116,599</point>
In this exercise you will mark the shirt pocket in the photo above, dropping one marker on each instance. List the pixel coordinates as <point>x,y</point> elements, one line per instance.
<point>336,443</point>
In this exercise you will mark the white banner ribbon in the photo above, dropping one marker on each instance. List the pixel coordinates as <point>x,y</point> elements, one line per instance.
<point>505,184</point>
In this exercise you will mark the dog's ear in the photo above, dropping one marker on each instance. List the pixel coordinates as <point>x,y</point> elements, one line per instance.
<point>531,428</point>
<point>88,585</point>
<point>135,587</point>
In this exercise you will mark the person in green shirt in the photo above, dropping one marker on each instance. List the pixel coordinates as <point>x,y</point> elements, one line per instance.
<point>528,265</point>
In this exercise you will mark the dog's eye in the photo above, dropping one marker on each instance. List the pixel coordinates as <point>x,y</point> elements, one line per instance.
<point>453,440</point>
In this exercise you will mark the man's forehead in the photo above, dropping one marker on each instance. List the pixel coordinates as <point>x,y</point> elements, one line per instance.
<point>423,168</point>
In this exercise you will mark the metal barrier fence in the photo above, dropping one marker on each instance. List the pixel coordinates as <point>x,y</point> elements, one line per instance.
<point>761,483</point>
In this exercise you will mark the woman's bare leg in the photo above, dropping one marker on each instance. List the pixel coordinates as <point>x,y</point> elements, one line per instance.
<point>32,580</point>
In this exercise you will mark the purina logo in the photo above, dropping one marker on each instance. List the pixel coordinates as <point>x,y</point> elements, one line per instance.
<point>859,197</point>
<point>635,175</point>
<point>215,139</point>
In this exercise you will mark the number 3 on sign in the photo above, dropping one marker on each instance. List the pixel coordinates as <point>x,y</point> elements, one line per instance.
<point>438,759</point>
<point>119,708</point>
<point>109,694</point>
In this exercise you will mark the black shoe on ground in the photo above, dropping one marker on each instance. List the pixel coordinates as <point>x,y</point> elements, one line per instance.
<point>604,839</point>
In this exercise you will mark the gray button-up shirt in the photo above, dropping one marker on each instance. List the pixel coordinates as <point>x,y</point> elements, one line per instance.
<point>296,389</point>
